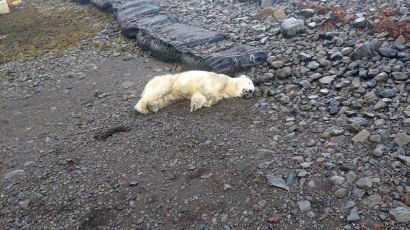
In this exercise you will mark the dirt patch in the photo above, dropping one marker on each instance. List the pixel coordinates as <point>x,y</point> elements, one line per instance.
<point>30,31</point>
<point>102,136</point>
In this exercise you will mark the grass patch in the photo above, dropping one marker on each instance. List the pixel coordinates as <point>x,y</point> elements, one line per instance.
<point>30,31</point>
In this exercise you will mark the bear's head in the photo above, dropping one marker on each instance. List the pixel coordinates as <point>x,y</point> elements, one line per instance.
<point>245,86</point>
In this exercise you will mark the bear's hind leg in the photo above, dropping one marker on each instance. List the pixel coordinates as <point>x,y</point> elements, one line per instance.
<point>156,105</point>
<point>197,101</point>
<point>212,101</point>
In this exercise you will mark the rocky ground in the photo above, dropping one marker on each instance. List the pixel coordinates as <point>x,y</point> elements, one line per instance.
<point>323,145</point>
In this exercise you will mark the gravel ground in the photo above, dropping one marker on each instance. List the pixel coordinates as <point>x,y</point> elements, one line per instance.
<point>324,145</point>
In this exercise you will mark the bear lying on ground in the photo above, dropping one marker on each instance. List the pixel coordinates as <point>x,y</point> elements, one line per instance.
<point>204,89</point>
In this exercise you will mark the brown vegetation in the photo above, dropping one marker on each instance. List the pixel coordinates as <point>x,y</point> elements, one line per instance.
<point>385,23</point>
<point>29,32</point>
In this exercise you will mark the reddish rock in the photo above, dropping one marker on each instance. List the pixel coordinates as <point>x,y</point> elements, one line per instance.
<point>274,219</point>
<point>378,226</point>
<point>264,13</point>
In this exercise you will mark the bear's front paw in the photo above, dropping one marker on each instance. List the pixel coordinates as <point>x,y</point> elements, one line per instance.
<point>153,107</point>
<point>139,109</point>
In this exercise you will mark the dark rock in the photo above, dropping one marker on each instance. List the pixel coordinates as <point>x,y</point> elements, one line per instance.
<point>387,93</point>
<point>276,181</point>
<point>371,84</point>
<point>305,57</point>
<point>399,76</point>
<point>363,73</point>
<point>362,51</point>
<point>360,22</point>
<point>403,55</point>
<point>336,55</point>
<point>387,52</point>
<point>334,107</point>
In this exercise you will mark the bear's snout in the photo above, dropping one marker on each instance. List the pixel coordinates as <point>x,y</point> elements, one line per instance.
<point>247,93</point>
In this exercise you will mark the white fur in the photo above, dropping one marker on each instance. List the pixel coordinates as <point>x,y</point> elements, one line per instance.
<point>204,89</point>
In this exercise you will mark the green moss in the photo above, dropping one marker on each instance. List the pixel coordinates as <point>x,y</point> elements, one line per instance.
<point>28,32</point>
<point>5,74</point>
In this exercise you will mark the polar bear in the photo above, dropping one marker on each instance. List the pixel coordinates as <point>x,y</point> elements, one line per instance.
<point>204,89</point>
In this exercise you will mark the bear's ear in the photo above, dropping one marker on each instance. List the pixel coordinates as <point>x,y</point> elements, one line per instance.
<point>243,76</point>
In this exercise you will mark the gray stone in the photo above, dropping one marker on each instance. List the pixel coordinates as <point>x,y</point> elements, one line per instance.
<point>387,52</point>
<point>264,165</point>
<point>327,80</point>
<point>400,214</point>
<point>400,40</point>
<point>29,164</point>
<point>13,174</point>
<point>311,25</point>
<point>291,179</point>
<point>304,56</point>
<point>350,177</point>
<point>127,84</point>
<point>337,180</point>
<point>371,83</point>
<point>405,159</point>
<point>375,138</point>
<point>361,136</point>
<point>315,76</point>
<point>264,153</point>
<point>362,51</point>
<point>372,201</point>
<point>284,72</point>
<point>302,173</point>
<point>373,72</point>
<point>379,151</point>
<point>324,62</point>
<point>379,105</point>
<point>277,64</point>
<point>340,193</point>
<point>365,183</point>
<point>267,3</point>
<point>381,76</point>
<point>387,93</point>
<point>313,65</point>
<point>336,55</point>
<point>346,50</point>
<point>25,204</point>
<point>404,10</point>
<point>359,22</point>
<point>399,76</point>
<point>349,204</point>
<point>353,216</point>
<point>276,181</point>
<point>402,139</point>
<point>347,166</point>
<point>403,55</point>
<point>291,27</point>
<point>307,13</point>
<point>357,192</point>
<point>304,206</point>
<point>334,107</point>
